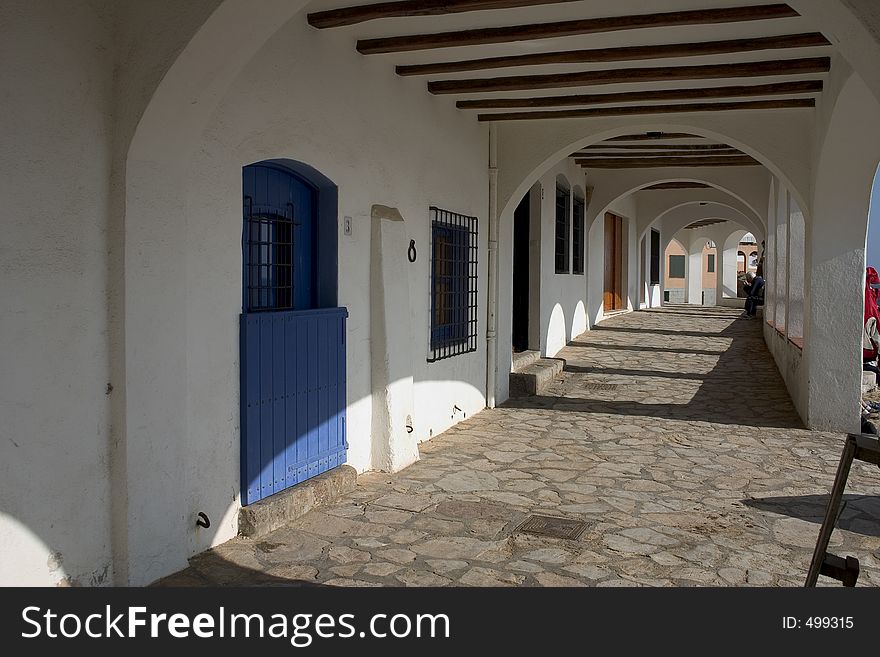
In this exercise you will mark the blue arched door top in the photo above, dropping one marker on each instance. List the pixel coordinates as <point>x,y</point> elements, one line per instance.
<point>279,240</point>
<point>293,366</point>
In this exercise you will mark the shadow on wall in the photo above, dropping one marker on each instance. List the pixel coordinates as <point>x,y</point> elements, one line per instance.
<point>743,386</point>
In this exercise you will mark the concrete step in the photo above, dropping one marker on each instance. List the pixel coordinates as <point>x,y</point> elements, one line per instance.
<point>524,358</point>
<point>531,379</point>
<point>274,512</point>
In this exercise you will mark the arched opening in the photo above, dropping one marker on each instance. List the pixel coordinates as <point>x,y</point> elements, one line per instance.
<point>675,283</point>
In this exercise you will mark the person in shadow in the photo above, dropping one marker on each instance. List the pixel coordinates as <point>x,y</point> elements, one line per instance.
<point>754,288</point>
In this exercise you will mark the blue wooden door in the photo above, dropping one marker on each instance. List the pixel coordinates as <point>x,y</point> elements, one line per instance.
<point>293,374</point>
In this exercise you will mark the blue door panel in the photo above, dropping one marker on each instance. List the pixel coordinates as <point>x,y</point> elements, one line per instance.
<point>292,427</point>
<point>292,355</point>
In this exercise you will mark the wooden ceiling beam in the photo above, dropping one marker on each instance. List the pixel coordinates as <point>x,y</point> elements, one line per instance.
<point>657,147</point>
<point>657,162</point>
<point>630,53</point>
<point>654,136</point>
<point>646,154</point>
<point>489,35</point>
<point>677,185</point>
<point>794,103</point>
<point>777,67</point>
<point>405,8</point>
<point>701,93</point>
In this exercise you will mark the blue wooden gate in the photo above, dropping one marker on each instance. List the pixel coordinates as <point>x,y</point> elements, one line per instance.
<point>293,373</point>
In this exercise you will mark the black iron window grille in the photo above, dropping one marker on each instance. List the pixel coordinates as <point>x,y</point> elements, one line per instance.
<point>577,238</point>
<point>453,284</point>
<point>562,229</point>
<point>268,249</point>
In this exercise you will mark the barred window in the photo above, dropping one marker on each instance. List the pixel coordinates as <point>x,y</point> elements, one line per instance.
<point>562,229</point>
<point>268,256</point>
<point>577,238</point>
<point>453,284</point>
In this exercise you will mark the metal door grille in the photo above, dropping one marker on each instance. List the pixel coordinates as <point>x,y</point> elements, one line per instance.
<point>269,241</point>
<point>453,284</point>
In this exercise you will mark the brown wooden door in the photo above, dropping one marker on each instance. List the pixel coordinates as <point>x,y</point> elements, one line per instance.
<point>613,298</point>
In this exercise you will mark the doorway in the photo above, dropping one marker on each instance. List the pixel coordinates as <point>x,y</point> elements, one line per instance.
<point>521,274</point>
<point>292,339</point>
<point>613,297</point>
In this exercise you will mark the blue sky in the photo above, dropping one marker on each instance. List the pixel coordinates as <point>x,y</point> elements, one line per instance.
<point>873,254</point>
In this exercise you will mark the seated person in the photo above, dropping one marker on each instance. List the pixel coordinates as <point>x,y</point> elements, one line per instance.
<point>754,288</point>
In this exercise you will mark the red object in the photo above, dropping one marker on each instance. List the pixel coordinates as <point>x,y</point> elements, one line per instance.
<point>871,299</point>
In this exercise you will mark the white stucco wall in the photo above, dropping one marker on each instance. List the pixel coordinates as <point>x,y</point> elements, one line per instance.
<point>563,299</point>
<point>54,366</point>
<point>385,153</point>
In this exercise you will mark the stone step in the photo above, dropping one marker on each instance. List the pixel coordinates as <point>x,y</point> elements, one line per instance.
<point>276,511</point>
<point>523,359</point>
<point>533,378</point>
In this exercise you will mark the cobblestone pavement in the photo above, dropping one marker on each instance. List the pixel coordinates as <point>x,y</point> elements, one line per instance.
<point>670,434</point>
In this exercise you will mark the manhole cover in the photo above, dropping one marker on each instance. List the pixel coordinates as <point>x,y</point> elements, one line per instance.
<point>600,386</point>
<point>553,527</point>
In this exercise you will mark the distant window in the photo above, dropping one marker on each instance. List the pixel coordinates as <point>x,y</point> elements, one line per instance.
<point>655,257</point>
<point>453,284</point>
<point>562,229</point>
<point>676,266</point>
<point>577,238</point>
<point>711,268</point>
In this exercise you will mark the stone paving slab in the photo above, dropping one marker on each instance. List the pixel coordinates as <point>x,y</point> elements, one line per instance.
<point>687,462</point>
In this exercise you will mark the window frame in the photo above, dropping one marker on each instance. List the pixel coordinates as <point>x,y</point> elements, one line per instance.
<point>671,272</point>
<point>453,271</point>
<point>578,243</point>
<point>562,225</point>
<point>710,263</point>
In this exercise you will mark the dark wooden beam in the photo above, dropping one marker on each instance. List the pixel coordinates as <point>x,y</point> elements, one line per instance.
<point>654,136</point>
<point>630,53</point>
<point>650,109</point>
<point>704,223</point>
<point>656,162</point>
<point>646,154</point>
<point>700,93</point>
<point>630,75</point>
<point>569,28</point>
<point>677,185</point>
<point>364,13</point>
<point>657,147</point>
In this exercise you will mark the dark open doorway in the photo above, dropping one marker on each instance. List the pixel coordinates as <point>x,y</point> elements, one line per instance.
<point>521,269</point>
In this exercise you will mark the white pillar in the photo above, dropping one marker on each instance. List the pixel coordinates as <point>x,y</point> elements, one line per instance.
<point>795,285</point>
<point>780,274</point>
<point>390,356</point>
<point>695,273</point>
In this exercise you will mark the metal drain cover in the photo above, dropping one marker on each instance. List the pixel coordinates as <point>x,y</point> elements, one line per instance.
<point>600,386</point>
<point>553,527</point>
